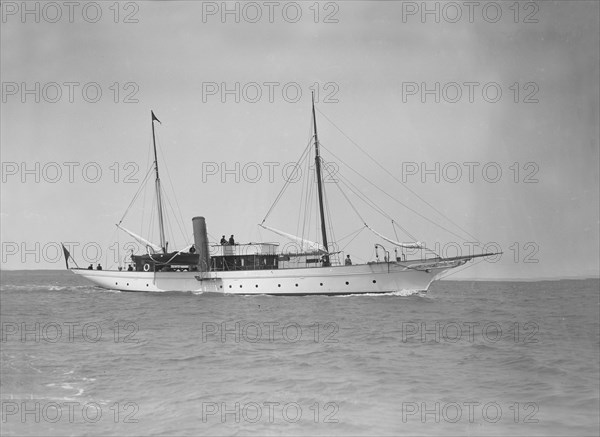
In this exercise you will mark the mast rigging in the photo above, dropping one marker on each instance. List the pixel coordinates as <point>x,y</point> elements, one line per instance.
<point>161,226</point>
<point>326,262</point>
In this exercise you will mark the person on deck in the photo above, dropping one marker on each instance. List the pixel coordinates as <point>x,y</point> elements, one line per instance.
<point>231,241</point>
<point>98,267</point>
<point>348,261</point>
<point>223,241</point>
<point>90,267</point>
<point>130,268</point>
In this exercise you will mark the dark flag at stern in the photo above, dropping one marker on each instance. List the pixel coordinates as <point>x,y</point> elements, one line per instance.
<point>67,256</point>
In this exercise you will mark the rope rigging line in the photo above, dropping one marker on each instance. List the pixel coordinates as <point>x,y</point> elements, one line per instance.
<point>344,181</point>
<point>151,226</point>
<point>352,233</point>
<point>356,191</point>
<point>394,224</point>
<point>185,239</point>
<point>303,194</point>
<point>364,222</point>
<point>178,217</point>
<point>357,233</point>
<point>150,168</point>
<point>142,186</point>
<point>397,180</point>
<point>287,183</point>
<point>460,269</point>
<point>363,197</point>
<point>329,223</point>
<point>396,200</point>
<point>351,204</point>
<point>308,207</point>
<point>168,231</point>
<point>310,210</point>
<point>307,191</point>
<point>394,228</point>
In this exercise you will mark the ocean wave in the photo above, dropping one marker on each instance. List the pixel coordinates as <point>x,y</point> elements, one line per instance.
<point>402,293</point>
<point>371,367</point>
<point>44,287</point>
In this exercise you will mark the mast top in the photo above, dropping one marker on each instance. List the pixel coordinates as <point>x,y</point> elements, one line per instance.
<point>161,226</point>
<point>154,116</point>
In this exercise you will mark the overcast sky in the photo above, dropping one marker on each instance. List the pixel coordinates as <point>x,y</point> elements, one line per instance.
<point>375,66</point>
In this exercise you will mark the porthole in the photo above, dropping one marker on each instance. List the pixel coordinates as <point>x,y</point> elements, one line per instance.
<point>374,281</point>
<point>116,283</point>
<point>296,285</point>
<point>230,286</point>
<point>321,284</point>
<point>256,285</point>
<point>240,285</point>
<point>279,285</point>
<point>128,284</point>
<point>347,283</point>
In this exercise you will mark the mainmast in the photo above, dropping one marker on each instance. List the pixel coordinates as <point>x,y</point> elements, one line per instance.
<point>161,226</point>
<point>326,262</point>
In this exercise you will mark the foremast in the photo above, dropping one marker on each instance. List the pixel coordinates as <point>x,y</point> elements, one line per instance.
<point>326,261</point>
<point>161,226</point>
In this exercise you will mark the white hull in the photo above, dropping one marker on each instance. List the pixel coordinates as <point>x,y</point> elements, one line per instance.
<point>355,279</point>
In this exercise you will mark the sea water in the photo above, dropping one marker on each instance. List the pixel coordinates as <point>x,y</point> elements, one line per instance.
<point>466,358</point>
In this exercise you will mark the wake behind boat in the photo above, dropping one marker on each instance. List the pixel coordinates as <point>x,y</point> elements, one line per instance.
<point>262,268</point>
